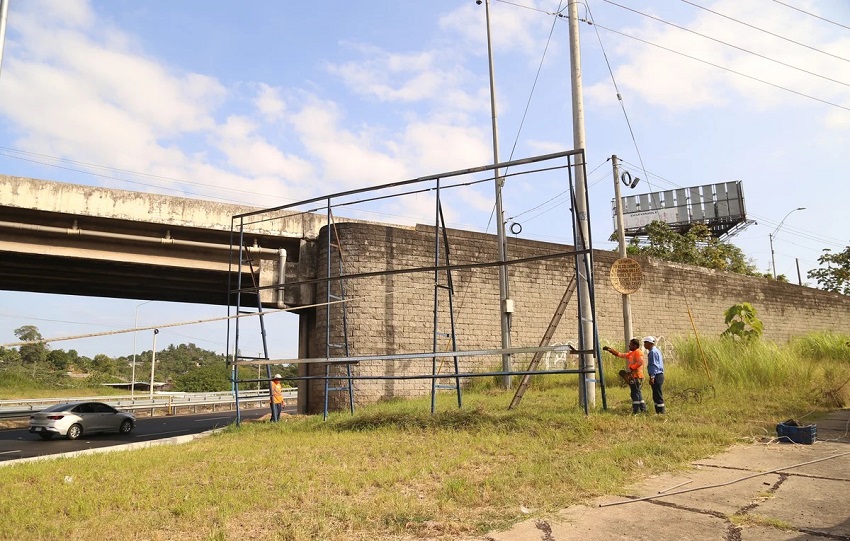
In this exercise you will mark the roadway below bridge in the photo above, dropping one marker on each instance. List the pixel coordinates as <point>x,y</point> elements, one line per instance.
<point>18,443</point>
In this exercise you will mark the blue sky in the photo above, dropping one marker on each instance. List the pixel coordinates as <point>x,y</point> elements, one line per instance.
<point>267,102</point>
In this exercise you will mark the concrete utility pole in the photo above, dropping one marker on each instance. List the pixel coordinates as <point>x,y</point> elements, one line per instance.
<point>4,12</point>
<point>621,238</point>
<point>505,303</point>
<point>583,261</point>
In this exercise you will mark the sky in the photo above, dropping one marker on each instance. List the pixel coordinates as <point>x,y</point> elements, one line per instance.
<point>266,103</point>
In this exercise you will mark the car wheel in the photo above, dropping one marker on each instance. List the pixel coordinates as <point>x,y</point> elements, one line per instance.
<point>45,435</point>
<point>75,431</point>
<point>126,426</point>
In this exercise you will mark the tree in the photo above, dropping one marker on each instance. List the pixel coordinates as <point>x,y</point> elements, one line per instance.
<point>33,353</point>
<point>59,359</point>
<point>836,276</point>
<point>743,322</point>
<point>695,247</point>
<point>9,356</point>
<point>103,364</point>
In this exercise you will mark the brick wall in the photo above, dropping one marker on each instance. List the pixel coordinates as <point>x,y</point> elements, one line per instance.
<point>394,314</point>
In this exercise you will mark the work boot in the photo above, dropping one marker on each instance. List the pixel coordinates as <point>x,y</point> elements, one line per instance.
<point>659,410</point>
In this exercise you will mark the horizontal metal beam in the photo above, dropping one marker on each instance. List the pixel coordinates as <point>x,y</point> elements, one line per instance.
<point>407,356</point>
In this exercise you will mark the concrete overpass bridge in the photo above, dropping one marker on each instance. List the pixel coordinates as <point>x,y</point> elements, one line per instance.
<point>82,240</point>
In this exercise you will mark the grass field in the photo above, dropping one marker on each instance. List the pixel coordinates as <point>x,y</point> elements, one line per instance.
<point>392,471</point>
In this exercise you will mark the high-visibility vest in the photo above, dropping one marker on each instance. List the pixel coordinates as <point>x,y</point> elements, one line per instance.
<point>634,361</point>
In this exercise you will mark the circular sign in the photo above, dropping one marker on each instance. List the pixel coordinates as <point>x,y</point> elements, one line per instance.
<point>626,275</point>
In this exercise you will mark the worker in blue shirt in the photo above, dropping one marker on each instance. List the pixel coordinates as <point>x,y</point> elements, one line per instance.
<point>655,368</point>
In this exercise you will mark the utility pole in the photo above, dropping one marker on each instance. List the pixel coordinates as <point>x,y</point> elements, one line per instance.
<point>799,278</point>
<point>505,302</point>
<point>583,261</point>
<point>621,238</point>
<point>4,12</point>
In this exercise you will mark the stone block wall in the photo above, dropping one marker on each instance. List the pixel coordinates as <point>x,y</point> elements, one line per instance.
<point>394,313</point>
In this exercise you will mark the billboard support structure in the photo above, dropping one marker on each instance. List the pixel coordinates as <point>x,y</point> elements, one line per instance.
<point>720,207</point>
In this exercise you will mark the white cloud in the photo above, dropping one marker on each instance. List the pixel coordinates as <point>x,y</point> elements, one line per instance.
<point>398,77</point>
<point>512,29</point>
<point>252,155</point>
<point>676,83</point>
<point>269,102</point>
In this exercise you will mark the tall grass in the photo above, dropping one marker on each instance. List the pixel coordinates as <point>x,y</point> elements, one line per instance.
<point>394,471</point>
<point>823,346</point>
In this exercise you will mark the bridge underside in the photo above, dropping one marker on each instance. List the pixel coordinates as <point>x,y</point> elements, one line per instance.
<point>49,252</point>
<point>115,279</point>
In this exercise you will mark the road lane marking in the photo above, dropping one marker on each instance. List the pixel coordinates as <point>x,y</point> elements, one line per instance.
<point>10,452</point>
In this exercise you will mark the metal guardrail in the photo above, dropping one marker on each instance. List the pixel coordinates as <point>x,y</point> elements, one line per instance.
<point>171,402</point>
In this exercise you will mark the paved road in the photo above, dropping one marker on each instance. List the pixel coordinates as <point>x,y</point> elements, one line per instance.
<point>759,492</point>
<point>18,443</point>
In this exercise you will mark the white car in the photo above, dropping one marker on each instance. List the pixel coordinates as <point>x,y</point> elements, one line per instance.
<point>74,419</point>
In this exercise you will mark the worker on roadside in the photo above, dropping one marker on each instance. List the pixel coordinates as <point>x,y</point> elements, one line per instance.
<point>655,370</point>
<point>634,363</point>
<point>276,397</point>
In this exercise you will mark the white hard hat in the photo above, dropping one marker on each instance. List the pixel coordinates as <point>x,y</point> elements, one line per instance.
<point>650,339</point>
<point>277,376</point>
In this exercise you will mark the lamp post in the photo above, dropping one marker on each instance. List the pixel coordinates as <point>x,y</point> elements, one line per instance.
<point>135,324</point>
<point>153,360</point>
<point>773,236</point>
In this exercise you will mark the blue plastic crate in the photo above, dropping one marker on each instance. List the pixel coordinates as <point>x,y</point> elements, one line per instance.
<point>797,434</point>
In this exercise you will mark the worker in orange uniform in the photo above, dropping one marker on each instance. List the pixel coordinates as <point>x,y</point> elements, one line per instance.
<point>634,363</point>
<point>276,397</point>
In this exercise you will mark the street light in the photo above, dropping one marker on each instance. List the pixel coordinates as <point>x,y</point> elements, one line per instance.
<point>153,359</point>
<point>773,236</point>
<point>135,324</point>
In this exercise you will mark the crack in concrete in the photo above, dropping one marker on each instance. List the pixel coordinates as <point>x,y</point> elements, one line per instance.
<point>793,474</point>
<point>825,535</point>
<point>546,528</point>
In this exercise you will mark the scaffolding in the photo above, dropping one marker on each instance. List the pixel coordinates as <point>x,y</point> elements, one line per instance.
<point>336,281</point>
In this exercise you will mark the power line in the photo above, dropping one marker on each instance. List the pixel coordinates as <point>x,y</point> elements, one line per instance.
<point>619,97</point>
<point>826,102</point>
<point>533,86</point>
<point>812,15</point>
<point>101,175</point>
<point>685,29</point>
<point>766,31</point>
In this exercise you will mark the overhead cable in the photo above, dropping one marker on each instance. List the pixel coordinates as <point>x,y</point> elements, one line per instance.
<point>780,87</point>
<point>619,98</point>
<point>685,29</point>
<point>766,31</point>
<point>812,15</point>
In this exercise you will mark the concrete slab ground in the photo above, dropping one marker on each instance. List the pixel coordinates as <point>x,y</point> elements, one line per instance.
<point>758,492</point>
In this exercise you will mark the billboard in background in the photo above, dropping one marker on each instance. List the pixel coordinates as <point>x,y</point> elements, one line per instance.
<point>720,207</point>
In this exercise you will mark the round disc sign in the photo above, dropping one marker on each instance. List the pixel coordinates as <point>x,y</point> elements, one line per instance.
<point>626,275</point>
